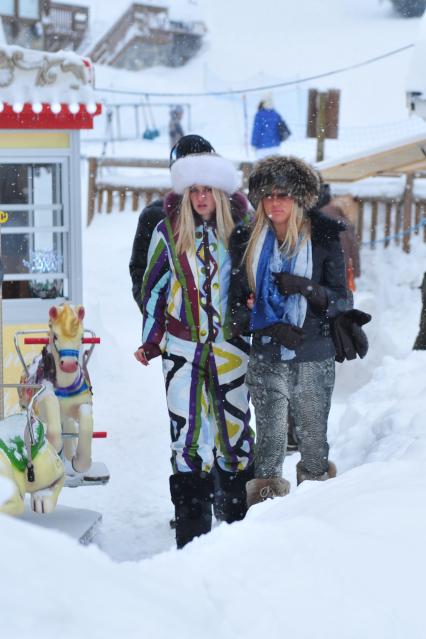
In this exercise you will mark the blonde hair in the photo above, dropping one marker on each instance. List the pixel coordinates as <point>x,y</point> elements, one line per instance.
<point>185,226</point>
<point>299,227</point>
<point>66,323</point>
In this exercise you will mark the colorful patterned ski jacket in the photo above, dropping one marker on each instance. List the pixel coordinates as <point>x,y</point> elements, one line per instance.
<point>187,295</point>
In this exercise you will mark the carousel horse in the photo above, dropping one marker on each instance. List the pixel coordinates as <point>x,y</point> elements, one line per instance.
<point>31,464</point>
<point>66,403</point>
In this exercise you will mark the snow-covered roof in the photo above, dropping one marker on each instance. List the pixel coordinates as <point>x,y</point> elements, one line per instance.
<point>39,77</point>
<point>399,156</point>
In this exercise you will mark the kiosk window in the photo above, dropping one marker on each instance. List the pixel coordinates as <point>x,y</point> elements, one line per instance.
<point>34,239</point>
<point>29,9</point>
<point>7,8</point>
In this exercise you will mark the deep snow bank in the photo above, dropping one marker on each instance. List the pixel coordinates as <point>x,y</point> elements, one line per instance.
<point>331,560</point>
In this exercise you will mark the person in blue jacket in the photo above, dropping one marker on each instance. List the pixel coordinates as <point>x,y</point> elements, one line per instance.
<point>269,130</point>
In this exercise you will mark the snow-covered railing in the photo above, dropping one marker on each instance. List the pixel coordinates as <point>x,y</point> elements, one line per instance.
<point>383,210</point>
<point>152,180</point>
<point>383,221</point>
<point>146,186</point>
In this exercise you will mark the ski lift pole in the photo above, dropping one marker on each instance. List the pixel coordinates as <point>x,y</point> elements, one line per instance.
<point>244,98</point>
<point>3,218</point>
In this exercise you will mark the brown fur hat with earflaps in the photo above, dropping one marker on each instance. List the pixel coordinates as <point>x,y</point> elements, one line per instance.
<point>286,173</point>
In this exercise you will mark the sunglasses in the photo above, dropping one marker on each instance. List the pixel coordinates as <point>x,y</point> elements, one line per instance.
<point>280,196</point>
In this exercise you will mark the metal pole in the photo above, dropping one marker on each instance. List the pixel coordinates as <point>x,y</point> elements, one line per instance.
<point>137,127</point>
<point>3,218</point>
<point>321,121</point>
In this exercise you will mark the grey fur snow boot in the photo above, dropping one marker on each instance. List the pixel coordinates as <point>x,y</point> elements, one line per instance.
<point>266,488</point>
<point>303,475</point>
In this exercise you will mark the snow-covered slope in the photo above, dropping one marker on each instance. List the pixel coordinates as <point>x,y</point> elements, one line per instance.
<point>251,44</point>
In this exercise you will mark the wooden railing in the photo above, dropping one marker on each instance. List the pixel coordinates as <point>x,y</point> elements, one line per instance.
<point>103,189</point>
<point>386,220</point>
<point>67,23</point>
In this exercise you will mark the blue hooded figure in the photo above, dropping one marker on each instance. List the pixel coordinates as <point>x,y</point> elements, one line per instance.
<point>269,130</point>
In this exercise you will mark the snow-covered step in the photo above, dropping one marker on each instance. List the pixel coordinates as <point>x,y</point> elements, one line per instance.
<point>79,523</point>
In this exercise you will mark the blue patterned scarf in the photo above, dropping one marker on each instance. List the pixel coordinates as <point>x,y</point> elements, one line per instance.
<point>271,307</point>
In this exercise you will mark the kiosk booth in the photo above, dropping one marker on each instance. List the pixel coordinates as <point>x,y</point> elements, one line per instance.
<point>45,99</point>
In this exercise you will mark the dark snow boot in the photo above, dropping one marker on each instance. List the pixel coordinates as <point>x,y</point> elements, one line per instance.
<point>230,499</point>
<point>304,475</point>
<point>192,496</point>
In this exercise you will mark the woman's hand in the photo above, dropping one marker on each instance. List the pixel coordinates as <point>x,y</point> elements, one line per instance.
<point>141,357</point>
<point>250,301</point>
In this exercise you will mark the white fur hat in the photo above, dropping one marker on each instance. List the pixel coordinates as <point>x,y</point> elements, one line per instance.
<point>206,169</point>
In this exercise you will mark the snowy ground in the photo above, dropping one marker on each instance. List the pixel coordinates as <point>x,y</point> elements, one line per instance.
<point>349,552</point>
<point>339,560</point>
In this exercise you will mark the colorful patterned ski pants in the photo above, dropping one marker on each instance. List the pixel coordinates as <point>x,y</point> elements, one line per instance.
<point>304,388</point>
<point>208,404</point>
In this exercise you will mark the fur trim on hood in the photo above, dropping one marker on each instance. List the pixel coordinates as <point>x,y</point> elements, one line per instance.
<point>207,169</point>
<point>289,174</point>
<point>238,201</point>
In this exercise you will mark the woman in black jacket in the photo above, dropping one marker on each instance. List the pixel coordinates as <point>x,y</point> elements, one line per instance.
<point>288,281</point>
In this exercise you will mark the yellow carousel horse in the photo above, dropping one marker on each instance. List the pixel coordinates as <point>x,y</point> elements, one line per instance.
<point>65,406</point>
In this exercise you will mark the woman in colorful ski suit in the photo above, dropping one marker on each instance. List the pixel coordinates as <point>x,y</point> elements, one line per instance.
<point>288,282</point>
<point>186,320</point>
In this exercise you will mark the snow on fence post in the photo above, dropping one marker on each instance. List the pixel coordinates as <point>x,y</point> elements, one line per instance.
<point>388,214</point>
<point>360,225</point>
<point>407,206</point>
<point>373,224</point>
<point>398,220</point>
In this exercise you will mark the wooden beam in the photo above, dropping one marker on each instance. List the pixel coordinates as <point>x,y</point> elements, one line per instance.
<point>407,157</point>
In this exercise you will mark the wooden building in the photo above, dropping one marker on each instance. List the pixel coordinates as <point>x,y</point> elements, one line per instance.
<point>43,24</point>
<point>145,36</point>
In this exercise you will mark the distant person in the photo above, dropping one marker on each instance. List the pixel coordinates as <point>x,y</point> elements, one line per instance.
<point>340,209</point>
<point>175,127</point>
<point>269,130</point>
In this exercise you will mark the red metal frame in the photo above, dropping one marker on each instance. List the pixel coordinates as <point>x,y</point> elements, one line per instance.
<point>46,119</point>
<point>45,340</point>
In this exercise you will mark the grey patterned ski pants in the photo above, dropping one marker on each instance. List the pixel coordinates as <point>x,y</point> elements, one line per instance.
<point>304,389</point>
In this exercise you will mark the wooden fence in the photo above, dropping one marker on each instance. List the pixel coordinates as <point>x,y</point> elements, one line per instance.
<point>383,221</point>
<point>379,221</point>
<point>102,190</point>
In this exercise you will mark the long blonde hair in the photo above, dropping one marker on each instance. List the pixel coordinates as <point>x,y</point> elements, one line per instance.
<point>298,227</point>
<point>185,226</point>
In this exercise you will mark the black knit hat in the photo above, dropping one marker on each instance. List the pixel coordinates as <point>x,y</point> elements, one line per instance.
<point>190,145</point>
<point>289,174</point>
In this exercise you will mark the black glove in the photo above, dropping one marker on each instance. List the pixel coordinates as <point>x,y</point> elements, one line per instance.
<point>289,284</point>
<point>285,334</point>
<point>348,337</point>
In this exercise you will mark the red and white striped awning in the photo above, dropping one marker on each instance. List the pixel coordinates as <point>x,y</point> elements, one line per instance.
<point>40,115</point>
<point>43,90</point>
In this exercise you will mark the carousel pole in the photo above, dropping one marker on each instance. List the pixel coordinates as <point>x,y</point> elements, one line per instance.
<point>3,218</point>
